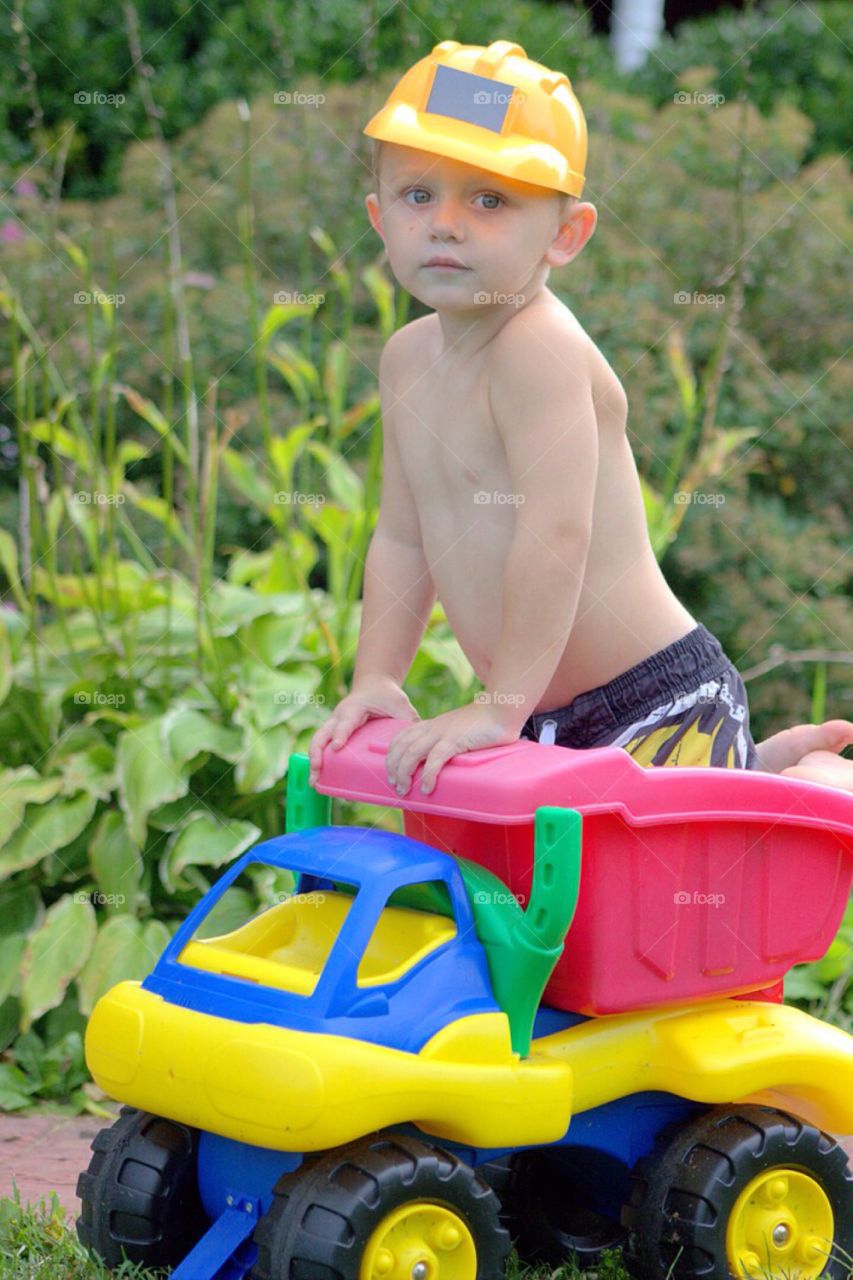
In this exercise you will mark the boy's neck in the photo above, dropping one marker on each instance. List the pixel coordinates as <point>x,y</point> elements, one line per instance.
<point>466,332</point>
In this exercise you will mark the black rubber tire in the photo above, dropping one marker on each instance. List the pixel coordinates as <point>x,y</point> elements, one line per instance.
<point>542,1208</point>
<point>140,1192</point>
<point>683,1192</point>
<point>323,1214</point>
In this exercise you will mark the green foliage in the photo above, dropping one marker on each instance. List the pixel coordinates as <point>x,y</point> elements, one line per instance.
<point>160,701</point>
<point>36,1243</point>
<point>797,54</point>
<point>201,58</point>
<point>185,605</point>
<point>826,987</point>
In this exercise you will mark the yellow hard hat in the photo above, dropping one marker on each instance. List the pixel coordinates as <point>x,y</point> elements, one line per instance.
<point>493,108</point>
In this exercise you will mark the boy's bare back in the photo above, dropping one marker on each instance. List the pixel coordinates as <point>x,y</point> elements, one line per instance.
<point>464,500</point>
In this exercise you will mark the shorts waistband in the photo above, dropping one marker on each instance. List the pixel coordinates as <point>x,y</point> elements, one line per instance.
<point>678,668</point>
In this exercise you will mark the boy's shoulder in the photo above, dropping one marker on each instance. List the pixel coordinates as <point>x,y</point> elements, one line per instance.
<point>405,342</point>
<point>542,338</point>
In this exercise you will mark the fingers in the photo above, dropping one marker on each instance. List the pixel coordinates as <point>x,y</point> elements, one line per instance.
<point>436,760</point>
<point>337,729</point>
<point>315,749</point>
<point>405,753</point>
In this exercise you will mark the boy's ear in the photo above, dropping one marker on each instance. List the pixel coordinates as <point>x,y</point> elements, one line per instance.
<point>372,205</point>
<point>573,234</point>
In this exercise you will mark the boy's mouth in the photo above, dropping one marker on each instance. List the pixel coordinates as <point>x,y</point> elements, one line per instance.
<point>440,262</point>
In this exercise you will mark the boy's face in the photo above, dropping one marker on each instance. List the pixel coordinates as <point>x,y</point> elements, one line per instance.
<point>498,231</point>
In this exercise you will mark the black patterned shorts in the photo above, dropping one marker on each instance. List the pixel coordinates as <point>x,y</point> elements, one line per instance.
<point>684,705</point>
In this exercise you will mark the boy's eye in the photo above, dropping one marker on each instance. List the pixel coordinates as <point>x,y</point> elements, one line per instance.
<point>490,195</point>
<point>417,191</point>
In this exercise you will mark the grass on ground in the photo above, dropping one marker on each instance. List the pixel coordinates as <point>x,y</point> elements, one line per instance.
<point>37,1243</point>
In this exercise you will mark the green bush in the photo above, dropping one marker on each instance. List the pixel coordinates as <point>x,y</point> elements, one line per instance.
<point>202,57</point>
<point>172,643</point>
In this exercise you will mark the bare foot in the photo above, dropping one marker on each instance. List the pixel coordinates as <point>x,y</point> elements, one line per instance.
<point>825,767</point>
<point>784,750</point>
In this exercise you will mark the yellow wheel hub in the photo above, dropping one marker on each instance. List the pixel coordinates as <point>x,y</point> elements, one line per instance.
<point>781,1226</point>
<point>420,1241</point>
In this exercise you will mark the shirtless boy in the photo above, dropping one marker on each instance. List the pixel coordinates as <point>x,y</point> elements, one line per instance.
<point>509,488</point>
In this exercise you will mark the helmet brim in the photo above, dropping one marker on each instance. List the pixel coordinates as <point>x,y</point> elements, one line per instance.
<point>512,156</point>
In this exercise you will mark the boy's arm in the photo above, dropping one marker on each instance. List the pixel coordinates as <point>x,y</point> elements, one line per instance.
<point>398,592</point>
<point>542,403</point>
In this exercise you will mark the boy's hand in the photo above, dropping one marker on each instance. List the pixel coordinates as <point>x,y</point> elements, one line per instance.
<point>450,734</point>
<point>372,697</point>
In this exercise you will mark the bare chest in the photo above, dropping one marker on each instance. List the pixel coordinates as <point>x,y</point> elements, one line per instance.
<point>452,455</point>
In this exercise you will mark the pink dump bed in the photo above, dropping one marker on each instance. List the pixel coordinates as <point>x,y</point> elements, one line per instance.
<point>695,882</point>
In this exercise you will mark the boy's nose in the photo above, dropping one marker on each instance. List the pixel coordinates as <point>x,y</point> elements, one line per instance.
<point>446,219</point>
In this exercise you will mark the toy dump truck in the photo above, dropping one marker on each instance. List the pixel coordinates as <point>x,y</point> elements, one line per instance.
<point>549,1010</point>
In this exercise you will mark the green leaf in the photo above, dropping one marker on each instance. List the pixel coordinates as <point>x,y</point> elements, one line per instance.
<point>264,762</point>
<point>369,407</point>
<point>280,314</point>
<point>205,841</point>
<point>131,451</point>
<point>20,907</point>
<point>5,664</point>
<point>92,770</point>
<point>231,607</point>
<point>284,451</point>
<point>15,1089</point>
<point>233,909</point>
<point>55,954</point>
<point>802,983</point>
<point>152,415</point>
<point>381,291</point>
<point>158,510</point>
<point>20,787</point>
<point>274,639</point>
<point>299,373</point>
<point>10,1017</point>
<point>335,378</point>
<point>62,441</point>
<point>243,473</point>
<point>446,651</point>
<point>11,949</point>
<point>44,830</point>
<point>190,732</point>
<point>9,565</point>
<point>75,253</point>
<point>266,698</point>
<point>346,486</point>
<point>121,952</point>
<point>116,862</point>
<point>148,776</point>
